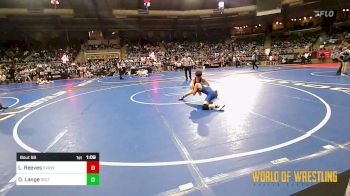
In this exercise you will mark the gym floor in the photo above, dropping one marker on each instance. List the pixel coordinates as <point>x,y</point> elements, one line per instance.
<point>276,118</point>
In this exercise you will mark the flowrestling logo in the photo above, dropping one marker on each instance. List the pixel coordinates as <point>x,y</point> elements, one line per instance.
<point>325,13</point>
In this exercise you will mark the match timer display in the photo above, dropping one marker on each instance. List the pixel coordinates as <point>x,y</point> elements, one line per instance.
<point>58,169</point>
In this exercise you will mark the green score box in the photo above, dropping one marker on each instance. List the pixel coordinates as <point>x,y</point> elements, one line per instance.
<point>93,179</point>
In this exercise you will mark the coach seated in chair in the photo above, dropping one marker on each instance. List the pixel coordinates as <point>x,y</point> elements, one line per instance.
<point>323,57</point>
<point>178,66</point>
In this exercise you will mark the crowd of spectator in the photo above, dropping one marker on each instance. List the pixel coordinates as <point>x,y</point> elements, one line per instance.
<point>248,46</point>
<point>335,38</point>
<point>19,64</point>
<point>169,54</point>
<point>287,44</point>
<point>22,65</point>
<point>16,52</point>
<point>54,55</point>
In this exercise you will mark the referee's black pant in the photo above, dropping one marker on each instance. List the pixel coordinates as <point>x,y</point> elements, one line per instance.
<point>188,69</point>
<point>121,71</point>
<point>254,65</point>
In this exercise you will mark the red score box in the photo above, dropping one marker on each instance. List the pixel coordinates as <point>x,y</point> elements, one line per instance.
<point>93,167</point>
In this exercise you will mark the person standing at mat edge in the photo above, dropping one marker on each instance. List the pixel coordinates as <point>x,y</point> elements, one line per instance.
<point>344,58</point>
<point>121,69</point>
<point>187,63</point>
<point>254,60</point>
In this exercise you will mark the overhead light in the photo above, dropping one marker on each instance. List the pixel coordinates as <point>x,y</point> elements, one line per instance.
<point>259,25</point>
<point>55,2</point>
<point>310,17</point>
<point>304,18</point>
<point>277,22</point>
<point>221,4</point>
<point>344,10</point>
<point>147,3</point>
<point>347,10</point>
<point>299,18</point>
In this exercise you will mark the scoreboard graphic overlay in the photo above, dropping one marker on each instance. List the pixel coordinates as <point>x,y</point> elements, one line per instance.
<point>58,169</point>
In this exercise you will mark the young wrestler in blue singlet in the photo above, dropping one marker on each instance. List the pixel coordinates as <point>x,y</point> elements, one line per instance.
<point>200,85</point>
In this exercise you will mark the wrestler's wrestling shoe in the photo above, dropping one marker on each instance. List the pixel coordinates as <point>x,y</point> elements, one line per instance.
<point>181,98</point>
<point>220,107</point>
<point>3,108</point>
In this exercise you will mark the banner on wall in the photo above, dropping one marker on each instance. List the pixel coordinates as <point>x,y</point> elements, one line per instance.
<point>327,53</point>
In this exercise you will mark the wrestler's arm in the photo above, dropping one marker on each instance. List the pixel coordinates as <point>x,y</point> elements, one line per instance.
<point>193,91</point>
<point>188,94</point>
<point>205,82</point>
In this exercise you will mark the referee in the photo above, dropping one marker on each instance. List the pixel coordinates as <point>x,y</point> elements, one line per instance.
<point>187,63</point>
<point>255,58</point>
<point>121,69</point>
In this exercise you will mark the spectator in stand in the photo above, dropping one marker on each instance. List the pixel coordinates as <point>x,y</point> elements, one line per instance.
<point>270,58</point>
<point>303,58</point>
<point>26,73</point>
<point>12,73</point>
<point>323,57</point>
<point>334,55</point>
<point>49,73</point>
<point>2,76</point>
<point>306,58</point>
<point>238,61</point>
<point>222,60</point>
<point>234,59</point>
